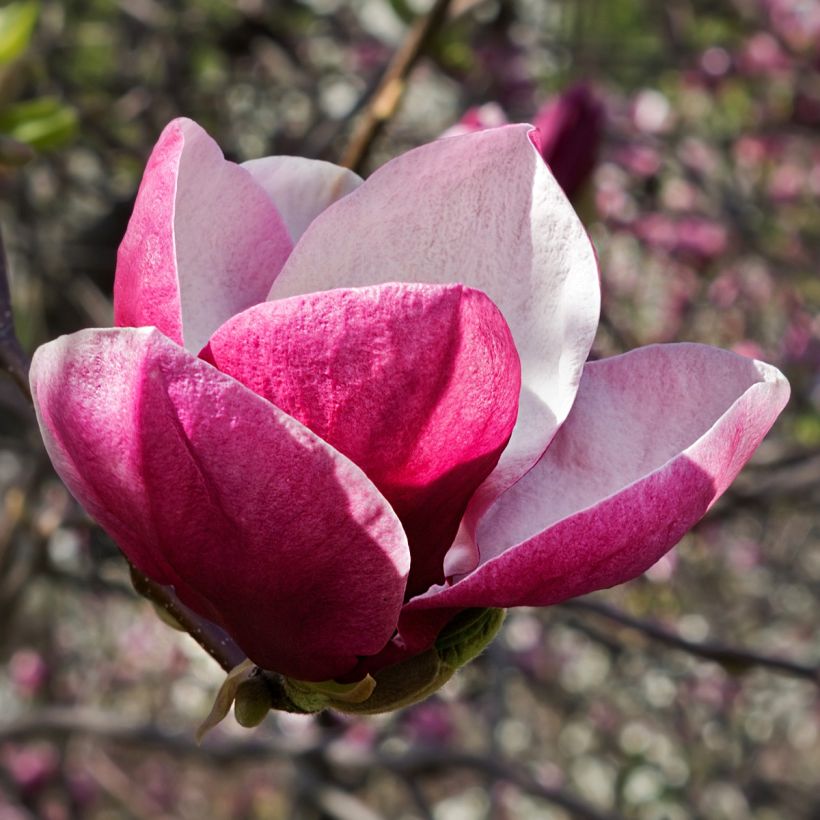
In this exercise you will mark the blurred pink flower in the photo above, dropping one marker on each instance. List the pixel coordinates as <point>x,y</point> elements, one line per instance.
<point>30,767</point>
<point>693,237</point>
<point>796,21</point>
<point>787,183</point>
<point>336,413</point>
<point>639,160</point>
<point>763,55</point>
<point>489,115</point>
<point>28,671</point>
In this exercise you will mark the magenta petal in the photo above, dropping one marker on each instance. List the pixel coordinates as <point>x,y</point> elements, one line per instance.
<point>654,437</point>
<point>484,210</point>
<point>209,487</point>
<point>204,241</point>
<point>417,384</point>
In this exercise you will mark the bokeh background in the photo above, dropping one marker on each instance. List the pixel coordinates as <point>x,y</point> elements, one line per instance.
<point>691,692</point>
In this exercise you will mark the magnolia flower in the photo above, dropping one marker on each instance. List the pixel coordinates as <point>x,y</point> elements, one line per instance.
<point>346,421</point>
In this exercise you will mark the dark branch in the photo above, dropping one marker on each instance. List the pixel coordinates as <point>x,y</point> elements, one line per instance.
<point>733,658</point>
<point>13,358</point>
<point>65,722</point>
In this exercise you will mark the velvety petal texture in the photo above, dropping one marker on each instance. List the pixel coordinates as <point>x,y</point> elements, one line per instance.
<point>484,210</point>
<point>204,242</point>
<point>654,437</point>
<point>209,487</point>
<point>417,384</point>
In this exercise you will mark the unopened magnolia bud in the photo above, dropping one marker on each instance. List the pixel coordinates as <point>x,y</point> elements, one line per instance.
<point>253,701</point>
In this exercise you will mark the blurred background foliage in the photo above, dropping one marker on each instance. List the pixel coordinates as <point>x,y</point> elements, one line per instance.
<point>704,210</point>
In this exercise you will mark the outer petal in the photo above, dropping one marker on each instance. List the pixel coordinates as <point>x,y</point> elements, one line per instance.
<point>654,437</point>
<point>417,384</point>
<point>204,241</point>
<point>207,486</point>
<point>481,209</point>
<point>301,188</point>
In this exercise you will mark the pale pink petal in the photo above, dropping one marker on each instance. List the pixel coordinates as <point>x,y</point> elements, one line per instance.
<point>207,486</point>
<point>654,437</point>
<point>417,384</point>
<point>204,241</point>
<point>484,210</point>
<point>301,188</point>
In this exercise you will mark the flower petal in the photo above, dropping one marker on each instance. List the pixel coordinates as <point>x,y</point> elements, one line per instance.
<point>301,188</point>
<point>207,486</point>
<point>417,384</point>
<point>204,241</point>
<point>654,437</point>
<point>484,210</point>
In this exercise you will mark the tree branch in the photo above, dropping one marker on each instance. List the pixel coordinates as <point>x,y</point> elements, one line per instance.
<point>57,722</point>
<point>13,358</point>
<point>385,100</point>
<point>732,657</point>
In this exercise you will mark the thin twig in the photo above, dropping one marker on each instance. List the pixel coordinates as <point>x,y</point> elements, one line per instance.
<point>435,761</point>
<point>13,358</point>
<point>733,658</point>
<point>56,722</point>
<point>385,100</point>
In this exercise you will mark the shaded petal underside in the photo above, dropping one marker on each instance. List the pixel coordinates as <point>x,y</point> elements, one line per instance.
<point>259,525</point>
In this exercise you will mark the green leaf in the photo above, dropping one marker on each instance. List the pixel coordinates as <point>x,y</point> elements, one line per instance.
<point>43,123</point>
<point>17,22</point>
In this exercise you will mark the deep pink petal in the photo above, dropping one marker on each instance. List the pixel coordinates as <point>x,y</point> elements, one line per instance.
<point>207,486</point>
<point>301,188</point>
<point>204,242</point>
<point>654,437</point>
<point>417,384</point>
<point>484,210</point>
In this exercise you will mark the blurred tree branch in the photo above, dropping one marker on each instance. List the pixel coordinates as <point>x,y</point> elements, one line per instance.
<point>13,358</point>
<point>385,100</point>
<point>62,722</point>
<point>734,659</point>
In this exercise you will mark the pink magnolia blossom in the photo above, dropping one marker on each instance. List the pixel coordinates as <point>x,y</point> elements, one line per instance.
<point>335,413</point>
